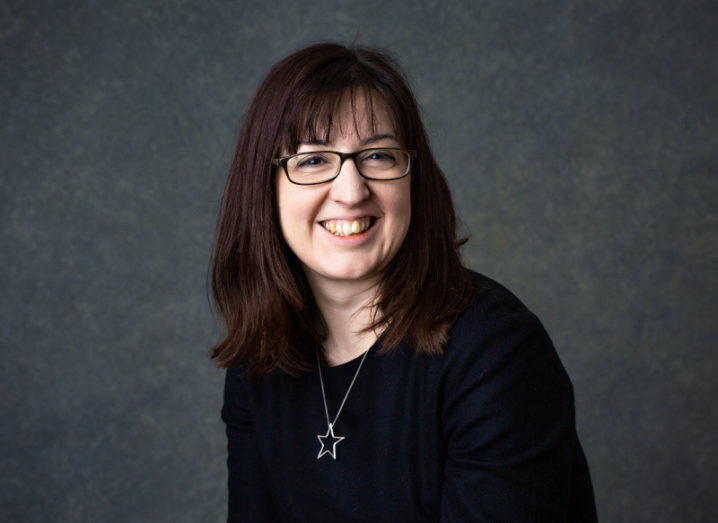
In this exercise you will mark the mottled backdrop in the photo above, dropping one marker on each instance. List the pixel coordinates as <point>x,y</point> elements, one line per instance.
<point>580,139</point>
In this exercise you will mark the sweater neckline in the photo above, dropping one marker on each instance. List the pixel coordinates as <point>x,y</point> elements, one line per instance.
<point>354,362</point>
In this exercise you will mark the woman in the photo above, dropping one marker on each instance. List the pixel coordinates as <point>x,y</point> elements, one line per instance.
<point>370,376</point>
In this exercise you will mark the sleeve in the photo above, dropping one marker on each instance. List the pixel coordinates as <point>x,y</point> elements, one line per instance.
<point>249,497</point>
<point>508,418</point>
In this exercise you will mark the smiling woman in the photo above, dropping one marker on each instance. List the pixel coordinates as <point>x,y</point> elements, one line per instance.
<point>370,376</point>
<point>347,230</point>
<point>329,98</point>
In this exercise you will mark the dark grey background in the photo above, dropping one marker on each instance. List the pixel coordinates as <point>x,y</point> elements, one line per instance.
<point>580,140</point>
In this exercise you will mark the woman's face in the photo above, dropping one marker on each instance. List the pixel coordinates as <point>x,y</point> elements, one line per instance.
<point>307,213</point>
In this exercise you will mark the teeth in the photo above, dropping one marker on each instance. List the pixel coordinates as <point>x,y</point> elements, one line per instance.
<point>347,228</point>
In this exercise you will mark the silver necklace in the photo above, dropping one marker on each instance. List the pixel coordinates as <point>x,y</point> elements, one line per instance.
<point>329,440</point>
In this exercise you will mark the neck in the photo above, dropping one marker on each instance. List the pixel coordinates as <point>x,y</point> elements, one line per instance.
<point>346,308</point>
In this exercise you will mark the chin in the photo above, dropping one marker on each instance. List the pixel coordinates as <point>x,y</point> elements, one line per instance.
<point>349,274</point>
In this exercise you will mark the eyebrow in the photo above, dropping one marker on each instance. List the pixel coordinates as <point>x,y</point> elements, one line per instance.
<point>365,141</point>
<point>377,138</point>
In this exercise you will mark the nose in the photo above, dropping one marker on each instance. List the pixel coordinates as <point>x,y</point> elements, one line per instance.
<point>349,187</point>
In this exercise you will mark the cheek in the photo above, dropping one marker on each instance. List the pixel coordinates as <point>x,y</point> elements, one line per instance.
<point>401,206</point>
<point>286,204</point>
<point>297,207</point>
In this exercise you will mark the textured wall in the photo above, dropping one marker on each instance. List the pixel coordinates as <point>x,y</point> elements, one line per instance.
<point>580,140</point>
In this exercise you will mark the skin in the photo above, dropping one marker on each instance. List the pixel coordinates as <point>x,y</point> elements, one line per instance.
<point>344,272</point>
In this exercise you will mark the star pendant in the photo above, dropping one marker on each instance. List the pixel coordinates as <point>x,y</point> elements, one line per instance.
<point>329,447</point>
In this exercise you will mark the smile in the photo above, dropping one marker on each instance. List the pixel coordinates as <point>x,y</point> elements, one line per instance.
<point>348,227</point>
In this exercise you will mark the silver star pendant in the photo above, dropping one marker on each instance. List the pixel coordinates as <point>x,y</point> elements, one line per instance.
<point>329,447</point>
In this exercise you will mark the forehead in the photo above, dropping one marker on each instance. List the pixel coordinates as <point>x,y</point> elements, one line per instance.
<point>358,112</point>
<point>359,117</point>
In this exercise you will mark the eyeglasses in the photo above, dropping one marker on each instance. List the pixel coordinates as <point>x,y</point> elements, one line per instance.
<point>378,163</point>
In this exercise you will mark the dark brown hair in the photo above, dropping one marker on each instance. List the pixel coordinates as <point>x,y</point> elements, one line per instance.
<point>258,285</point>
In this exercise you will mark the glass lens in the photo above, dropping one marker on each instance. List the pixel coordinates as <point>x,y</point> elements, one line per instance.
<point>383,163</point>
<point>313,167</point>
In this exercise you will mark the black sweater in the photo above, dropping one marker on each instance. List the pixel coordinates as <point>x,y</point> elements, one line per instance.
<point>483,433</point>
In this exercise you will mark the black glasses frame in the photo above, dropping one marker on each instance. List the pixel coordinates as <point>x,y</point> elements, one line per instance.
<point>282,162</point>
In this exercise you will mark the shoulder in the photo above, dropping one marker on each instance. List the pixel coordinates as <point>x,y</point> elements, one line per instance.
<point>235,408</point>
<point>492,300</point>
<point>500,347</point>
<point>492,307</point>
<point>507,413</point>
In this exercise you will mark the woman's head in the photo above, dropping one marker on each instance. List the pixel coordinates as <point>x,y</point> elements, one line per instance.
<point>329,97</point>
<point>340,224</point>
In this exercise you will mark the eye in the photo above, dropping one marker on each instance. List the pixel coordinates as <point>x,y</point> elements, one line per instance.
<point>382,156</point>
<point>310,161</point>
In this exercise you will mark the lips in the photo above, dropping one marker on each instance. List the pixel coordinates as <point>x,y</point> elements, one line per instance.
<point>339,227</point>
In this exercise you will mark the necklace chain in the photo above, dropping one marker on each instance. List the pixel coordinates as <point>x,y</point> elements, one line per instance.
<point>324,396</point>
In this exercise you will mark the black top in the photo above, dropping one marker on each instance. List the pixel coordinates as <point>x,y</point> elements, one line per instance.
<point>484,432</point>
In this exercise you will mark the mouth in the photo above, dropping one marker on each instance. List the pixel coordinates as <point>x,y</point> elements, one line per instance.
<point>349,227</point>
